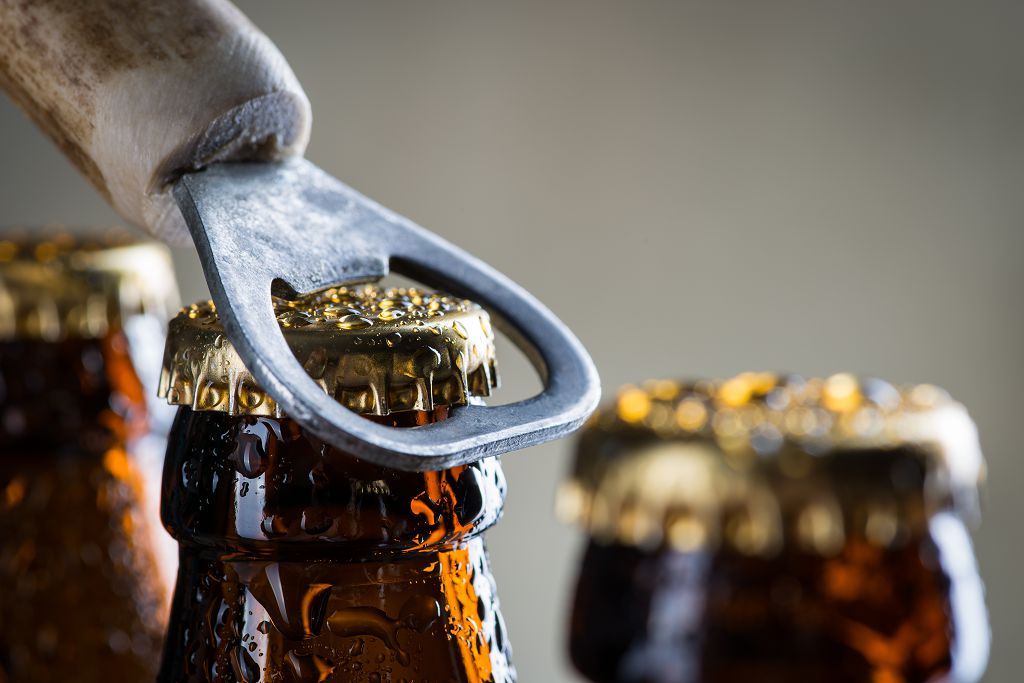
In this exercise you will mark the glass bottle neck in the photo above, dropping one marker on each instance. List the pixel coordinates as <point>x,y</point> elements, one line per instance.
<point>263,486</point>
<point>59,392</point>
<point>300,562</point>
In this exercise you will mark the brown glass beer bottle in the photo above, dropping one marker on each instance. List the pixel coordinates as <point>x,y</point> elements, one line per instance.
<point>300,562</point>
<point>80,589</point>
<point>776,529</point>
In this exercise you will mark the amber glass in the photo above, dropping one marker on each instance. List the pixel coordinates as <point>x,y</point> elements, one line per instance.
<point>80,596</point>
<point>909,610</point>
<point>300,562</point>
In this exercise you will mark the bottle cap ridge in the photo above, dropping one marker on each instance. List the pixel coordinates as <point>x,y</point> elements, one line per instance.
<point>668,459</point>
<point>56,285</point>
<point>376,351</point>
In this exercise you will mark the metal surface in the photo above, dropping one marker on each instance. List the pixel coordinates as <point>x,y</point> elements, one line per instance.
<point>290,225</point>
<point>376,351</point>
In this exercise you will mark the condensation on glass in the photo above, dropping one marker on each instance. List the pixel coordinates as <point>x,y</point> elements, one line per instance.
<point>771,529</point>
<point>84,567</point>
<point>301,562</point>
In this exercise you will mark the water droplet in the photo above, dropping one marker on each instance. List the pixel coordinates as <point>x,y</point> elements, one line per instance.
<point>294,319</point>
<point>391,314</point>
<point>841,393</point>
<point>353,322</point>
<point>119,641</point>
<point>367,621</point>
<point>390,303</point>
<point>691,414</point>
<point>248,455</point>
<point>298,614</point>
<point>881,393</point>
<point>309,667</point>
<point>469,496</point>
<point>190,475</point>
<point>251,447</point>
<point>274,526</point>
<point>633,404</point>
<point>426,360</point>
<point>420,612</point>
<point>766,439</point>
<point>315,521</point>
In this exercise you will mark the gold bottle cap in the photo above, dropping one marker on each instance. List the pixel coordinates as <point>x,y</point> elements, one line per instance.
<point>667,460</point>
<point>376,351</point>
<point>55,285</point>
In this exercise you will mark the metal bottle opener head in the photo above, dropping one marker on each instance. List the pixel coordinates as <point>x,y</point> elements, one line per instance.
<point>290,227</point>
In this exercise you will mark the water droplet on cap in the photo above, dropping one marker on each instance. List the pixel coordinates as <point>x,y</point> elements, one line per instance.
<point>353,322</point>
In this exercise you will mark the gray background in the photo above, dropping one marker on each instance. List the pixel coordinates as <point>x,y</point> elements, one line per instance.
<point>696,190</point>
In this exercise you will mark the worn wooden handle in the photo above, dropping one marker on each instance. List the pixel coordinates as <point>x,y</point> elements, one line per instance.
<point>137,92</point>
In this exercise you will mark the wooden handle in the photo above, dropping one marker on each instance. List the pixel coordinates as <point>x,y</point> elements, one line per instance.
<point>137,92</point>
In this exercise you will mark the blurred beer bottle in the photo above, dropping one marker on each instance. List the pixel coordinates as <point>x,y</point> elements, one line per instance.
<point>776,529</point>
<point>80,589</point>
<point>301,562</point>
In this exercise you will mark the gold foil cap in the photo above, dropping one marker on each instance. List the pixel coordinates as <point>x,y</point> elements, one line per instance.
<point>375,351</point>
<point>56,285</point>
<point>686,464</point>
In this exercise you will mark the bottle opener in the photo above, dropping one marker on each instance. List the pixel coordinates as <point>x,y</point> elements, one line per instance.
<point>194,108</point>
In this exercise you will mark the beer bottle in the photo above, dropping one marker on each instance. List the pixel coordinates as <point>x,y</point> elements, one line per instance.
<point>776,529</point>
<point>80,588</point>
<point>300,562</point>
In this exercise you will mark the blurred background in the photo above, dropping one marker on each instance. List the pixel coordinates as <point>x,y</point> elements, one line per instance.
<point>695,190</point>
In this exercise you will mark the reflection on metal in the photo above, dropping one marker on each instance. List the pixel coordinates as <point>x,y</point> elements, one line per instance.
<point>290,226</point>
